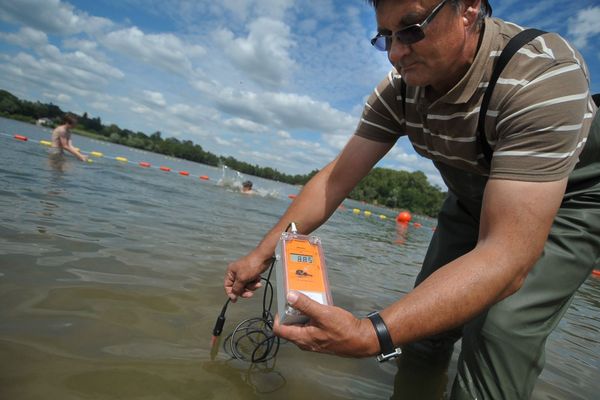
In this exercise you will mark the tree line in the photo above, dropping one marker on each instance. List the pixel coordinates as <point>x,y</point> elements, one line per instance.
<point>383,186</point>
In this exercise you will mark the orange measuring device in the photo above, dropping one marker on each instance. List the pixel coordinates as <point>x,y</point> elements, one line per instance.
<point>301,267</point>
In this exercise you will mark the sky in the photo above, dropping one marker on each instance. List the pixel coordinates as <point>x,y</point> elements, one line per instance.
<point>277,83</point>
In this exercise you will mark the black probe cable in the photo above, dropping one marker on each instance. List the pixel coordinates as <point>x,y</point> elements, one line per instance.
<point>255,333</point>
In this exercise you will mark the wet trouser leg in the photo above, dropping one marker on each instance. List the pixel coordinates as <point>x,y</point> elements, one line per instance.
<point>503,349</point>
<point>422,367</point>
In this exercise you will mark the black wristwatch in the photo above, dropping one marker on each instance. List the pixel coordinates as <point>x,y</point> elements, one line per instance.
<point>388,351</point>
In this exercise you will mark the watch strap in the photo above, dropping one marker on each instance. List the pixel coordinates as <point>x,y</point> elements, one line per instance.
<point>388,351</point>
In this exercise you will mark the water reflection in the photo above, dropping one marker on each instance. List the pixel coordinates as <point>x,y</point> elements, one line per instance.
<point>57,161</point>
<point>54,189</point>
<point>401,232</point>
<point>421,376</point>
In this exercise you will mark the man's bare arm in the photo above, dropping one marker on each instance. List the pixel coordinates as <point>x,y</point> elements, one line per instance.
<point>515,222</point>
<point>516,218</point>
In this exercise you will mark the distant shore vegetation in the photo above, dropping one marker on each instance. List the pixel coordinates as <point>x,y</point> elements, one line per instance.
<point>386,187</point>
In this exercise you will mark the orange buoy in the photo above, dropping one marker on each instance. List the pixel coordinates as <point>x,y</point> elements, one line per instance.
<point>596,272</point>
<point>184,173</point>
<point>292,196</point>
<point>163,168</point>
<point>204,177</point>
<point>404,216</point>
<point>21,138</point>
<point>144,164</point>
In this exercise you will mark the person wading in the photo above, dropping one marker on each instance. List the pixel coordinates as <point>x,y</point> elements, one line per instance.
<point>520,228</point>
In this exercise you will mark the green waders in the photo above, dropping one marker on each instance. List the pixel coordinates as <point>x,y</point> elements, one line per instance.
<point>503,348</point>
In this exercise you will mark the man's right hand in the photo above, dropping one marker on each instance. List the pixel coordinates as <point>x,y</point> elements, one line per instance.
<point>243,276</point>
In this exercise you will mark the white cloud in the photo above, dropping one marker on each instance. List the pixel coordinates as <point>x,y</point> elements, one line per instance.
<point>100,106</point>
<point>234,12</point>
<point>263,54</point>
<point>164,50</point>
<point>269,156</point>
<point>26,38</point>
<point>241,124</point>
<point>89,47</point>
<point>584,26</point>
<point>141,109</point>
<point>155,98</point>
<point>60,97</point>
<point>221,141</point>
<point>285,111</point>
<point>50,16</point>
<point>72,73</point>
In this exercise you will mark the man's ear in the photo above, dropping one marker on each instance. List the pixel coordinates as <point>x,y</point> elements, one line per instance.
<point>470,12</point>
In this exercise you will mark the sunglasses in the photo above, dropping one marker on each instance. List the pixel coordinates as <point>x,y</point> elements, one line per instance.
<point>409,35</point>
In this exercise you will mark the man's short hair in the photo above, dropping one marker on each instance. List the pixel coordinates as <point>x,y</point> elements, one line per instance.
<point>485,9</point>
<point>69,119</point>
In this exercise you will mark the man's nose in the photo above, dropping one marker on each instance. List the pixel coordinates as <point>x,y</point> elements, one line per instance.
<point>398,51</point>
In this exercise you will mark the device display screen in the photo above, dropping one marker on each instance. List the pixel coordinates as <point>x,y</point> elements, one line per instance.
<point>301,258</point>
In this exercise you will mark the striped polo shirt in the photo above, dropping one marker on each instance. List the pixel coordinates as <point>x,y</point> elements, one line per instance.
<point>537,120</point>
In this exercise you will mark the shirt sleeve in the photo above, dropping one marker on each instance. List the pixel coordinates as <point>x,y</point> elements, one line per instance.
<point>543,125</point>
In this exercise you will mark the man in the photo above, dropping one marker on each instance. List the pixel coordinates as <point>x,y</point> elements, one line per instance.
<point>61,137</point>
<point>516,236</point>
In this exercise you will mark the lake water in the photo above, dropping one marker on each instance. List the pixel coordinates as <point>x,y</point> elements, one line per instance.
<point>111,280</point>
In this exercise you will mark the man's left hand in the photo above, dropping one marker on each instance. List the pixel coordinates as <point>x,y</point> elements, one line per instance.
<point>330,330</point>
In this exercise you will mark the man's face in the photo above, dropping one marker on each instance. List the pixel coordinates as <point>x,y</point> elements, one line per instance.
<point>441,57</point>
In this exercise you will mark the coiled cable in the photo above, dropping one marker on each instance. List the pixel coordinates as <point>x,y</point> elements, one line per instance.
<point>252,339</point>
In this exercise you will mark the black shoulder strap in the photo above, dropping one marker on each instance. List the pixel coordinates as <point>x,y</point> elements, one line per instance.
<point>518,41</point>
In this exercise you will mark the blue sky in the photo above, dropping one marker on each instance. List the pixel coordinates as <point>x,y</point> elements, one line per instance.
<point>277,83</point>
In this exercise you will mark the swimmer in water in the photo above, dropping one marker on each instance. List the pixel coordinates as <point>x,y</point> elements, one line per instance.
<point>61,137</point>
<point>247,187</point>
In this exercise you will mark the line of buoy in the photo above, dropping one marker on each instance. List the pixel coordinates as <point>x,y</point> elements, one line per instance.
<point>403,218</point>
<point>98,154</point>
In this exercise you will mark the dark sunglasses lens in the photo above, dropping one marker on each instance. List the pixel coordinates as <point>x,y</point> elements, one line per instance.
<point>410,35</point>
<point>381,42</point>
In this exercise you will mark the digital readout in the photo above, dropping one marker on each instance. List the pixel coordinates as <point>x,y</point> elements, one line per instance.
<point>301,258</point>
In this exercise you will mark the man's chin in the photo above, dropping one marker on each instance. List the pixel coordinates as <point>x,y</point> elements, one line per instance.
<point>413,76</point>
<point>414,79</point>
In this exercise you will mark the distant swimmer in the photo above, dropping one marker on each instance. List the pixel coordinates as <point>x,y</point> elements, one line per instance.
<point>61,137</point>
<point>247,187</point>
